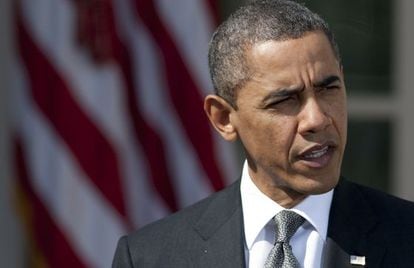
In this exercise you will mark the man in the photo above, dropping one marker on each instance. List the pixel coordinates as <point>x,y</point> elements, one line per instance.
<point>279,89</point>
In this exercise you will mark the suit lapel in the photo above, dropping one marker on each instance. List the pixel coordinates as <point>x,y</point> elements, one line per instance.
<point>221,229</point>
<point>334,255</point>
<point>351,220</point>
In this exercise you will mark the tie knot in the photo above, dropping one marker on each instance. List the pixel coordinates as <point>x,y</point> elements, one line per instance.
<point>287,223</point>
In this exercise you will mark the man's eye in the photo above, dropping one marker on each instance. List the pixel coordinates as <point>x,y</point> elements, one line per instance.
<point>281,101</point>
<point>333,87</point>
<point>328,88</point>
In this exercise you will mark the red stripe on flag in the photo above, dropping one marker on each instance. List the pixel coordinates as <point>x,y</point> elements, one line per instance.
<point>93,152</point>
<point>152,145</point>
<point>184,93</point>
<point>150,141</point>
<point>50,240</point>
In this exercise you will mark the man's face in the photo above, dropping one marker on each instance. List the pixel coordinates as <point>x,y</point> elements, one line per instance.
<point>291,115</point>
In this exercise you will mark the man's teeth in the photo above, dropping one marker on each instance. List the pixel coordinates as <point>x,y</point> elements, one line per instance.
<point>317,153</point>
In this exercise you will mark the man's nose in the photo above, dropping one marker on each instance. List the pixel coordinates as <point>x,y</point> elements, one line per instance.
<point>313,117</point>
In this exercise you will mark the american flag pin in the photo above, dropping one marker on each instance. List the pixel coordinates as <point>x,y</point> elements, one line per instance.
<point>357,260</point>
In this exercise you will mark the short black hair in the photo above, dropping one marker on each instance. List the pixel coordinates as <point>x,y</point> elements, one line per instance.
<point>256,22</point>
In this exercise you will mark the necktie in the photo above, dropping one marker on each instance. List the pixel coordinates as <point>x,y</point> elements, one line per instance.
<point>281,255</point>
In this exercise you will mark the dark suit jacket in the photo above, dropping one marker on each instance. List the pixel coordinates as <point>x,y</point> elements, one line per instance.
<point>362,222</point>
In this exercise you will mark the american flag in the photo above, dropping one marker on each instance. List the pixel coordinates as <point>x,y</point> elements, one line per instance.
<point>110,132</point>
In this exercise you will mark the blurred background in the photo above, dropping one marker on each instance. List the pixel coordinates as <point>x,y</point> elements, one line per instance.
<point>101,121</point>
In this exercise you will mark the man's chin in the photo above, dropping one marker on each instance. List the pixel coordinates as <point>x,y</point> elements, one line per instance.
<point>309,186</point>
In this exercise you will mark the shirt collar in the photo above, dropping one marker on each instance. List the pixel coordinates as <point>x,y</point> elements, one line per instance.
<point>255,219</point>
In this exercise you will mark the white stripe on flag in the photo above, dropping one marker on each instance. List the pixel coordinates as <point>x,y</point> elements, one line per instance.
<point>159,112</point>
<point>89,223</point>
<point>190,24</point>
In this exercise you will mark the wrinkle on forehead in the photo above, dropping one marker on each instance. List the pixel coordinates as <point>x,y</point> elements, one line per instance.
<point>296,62</point>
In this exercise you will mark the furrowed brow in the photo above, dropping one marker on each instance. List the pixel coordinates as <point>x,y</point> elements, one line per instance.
<point>327,81</point>
<point>282,92</point>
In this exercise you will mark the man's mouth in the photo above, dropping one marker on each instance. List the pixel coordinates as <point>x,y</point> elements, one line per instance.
<point>316,153</point>
<point>318,156</point>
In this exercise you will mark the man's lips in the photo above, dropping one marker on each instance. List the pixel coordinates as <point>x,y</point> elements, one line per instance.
<point>315,153</point>
<point>319,155</point>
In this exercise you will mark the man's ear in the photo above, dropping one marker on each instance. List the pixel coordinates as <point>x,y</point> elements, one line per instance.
<point>219,112</point>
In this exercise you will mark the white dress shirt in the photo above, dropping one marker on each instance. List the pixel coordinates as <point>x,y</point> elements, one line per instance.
<point>258,210</point>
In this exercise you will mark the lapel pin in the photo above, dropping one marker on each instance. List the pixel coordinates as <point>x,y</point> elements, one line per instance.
<point>357,260</point>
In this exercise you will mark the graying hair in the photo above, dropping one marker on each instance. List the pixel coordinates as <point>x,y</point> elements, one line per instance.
<point>253,23</point>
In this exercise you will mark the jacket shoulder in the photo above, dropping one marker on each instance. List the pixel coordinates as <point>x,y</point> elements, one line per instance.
<point>394,217</point>
<point>385,204</point>
<point>186,217</point>
<point>367,222</point>
<point>176,236</point>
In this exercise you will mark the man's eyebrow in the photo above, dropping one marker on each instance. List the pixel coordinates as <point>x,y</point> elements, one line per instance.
<point>286,92</point>
<point>282,92</point>
<point>327,81</point>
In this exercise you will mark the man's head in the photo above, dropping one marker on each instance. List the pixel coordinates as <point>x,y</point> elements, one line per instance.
<point>290,108</point>
<point>256,22</point>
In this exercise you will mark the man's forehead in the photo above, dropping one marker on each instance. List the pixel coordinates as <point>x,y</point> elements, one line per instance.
<point>260,46</point>
<point>313,46</point>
